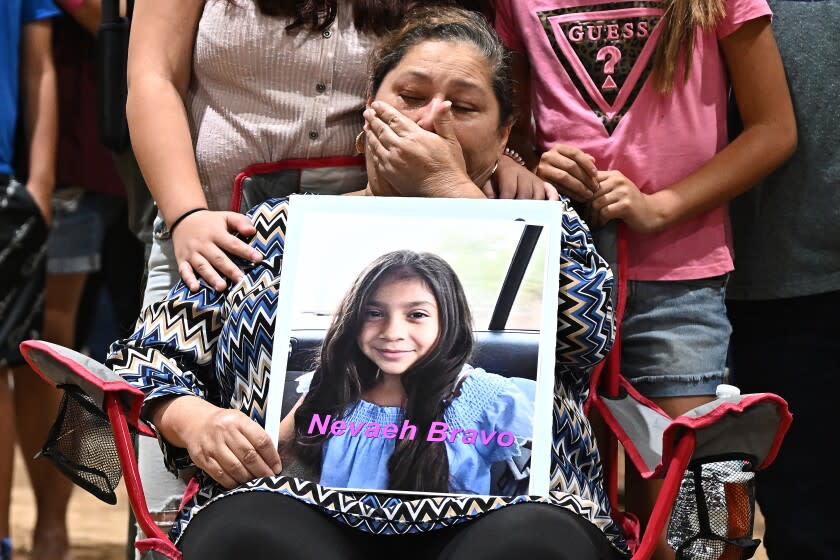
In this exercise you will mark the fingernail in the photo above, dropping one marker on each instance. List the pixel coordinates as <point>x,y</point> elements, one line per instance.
<point>277,468</point>
<point>377,105</point>
<point>256,256</point>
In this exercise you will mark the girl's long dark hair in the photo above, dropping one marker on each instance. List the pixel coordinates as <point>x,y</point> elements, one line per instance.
<point>343,373</point>
<point>376,16</point>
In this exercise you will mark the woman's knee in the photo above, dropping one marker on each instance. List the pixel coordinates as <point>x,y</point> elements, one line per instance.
<point>275,526</point>
<point>535,531</point>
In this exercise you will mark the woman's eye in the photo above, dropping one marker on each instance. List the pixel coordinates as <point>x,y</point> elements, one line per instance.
<point>418,315</point>
<point>373,314</point>
<point>464,108</point>
<point>412,100</point>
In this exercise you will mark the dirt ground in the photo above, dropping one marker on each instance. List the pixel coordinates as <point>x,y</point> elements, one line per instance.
<point>99,531</point>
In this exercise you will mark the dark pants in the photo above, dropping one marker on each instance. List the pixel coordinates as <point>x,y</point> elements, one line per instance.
<point>791,347</point>
<point>263,525</point>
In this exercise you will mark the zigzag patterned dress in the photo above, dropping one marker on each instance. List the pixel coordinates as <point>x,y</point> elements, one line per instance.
<point>218,345</point>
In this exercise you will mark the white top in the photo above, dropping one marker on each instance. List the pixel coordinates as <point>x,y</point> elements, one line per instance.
<point>260,94</point>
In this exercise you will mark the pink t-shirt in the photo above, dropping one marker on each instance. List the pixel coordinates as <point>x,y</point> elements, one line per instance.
<point>590,64</point>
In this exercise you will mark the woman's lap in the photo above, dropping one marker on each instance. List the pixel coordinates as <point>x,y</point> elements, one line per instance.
<point>534,531</point>
<point>259,525</point>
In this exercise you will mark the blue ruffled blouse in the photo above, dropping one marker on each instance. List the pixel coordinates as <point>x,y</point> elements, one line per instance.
<point>497,411</point>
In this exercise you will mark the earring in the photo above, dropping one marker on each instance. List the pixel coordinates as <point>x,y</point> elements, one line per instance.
<point>360,143</point>
<point>378,377</point>
<point>495,167</point>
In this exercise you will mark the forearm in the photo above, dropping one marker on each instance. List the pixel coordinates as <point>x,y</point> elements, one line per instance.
<point>40,111</point>
<point>174,417</point>
<point>769,134</point>
<point>160,137</point>
<point>768,139</point>
<point>754,154</point>
<point>159,69</point>
<point>224,443</point>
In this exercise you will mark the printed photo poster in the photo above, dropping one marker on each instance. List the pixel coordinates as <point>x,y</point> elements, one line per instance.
<point>414,344</point>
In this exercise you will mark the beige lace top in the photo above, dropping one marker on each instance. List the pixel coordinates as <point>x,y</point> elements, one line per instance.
<point>260,94</point>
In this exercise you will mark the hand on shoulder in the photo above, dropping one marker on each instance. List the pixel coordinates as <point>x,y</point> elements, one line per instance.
<point>204,242</point>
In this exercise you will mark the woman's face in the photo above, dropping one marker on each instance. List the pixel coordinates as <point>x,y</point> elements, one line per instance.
<point>400,325</point>
<point>435,71</point>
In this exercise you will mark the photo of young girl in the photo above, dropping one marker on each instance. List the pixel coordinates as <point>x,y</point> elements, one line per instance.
<point>393,402</point>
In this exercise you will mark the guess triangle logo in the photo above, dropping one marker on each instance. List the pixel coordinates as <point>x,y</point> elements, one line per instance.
<point>606,49</point>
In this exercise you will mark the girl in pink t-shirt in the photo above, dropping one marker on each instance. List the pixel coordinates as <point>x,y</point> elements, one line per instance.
<point>629,112</point>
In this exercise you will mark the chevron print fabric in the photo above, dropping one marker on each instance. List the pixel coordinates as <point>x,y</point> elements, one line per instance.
<point>217,345</point>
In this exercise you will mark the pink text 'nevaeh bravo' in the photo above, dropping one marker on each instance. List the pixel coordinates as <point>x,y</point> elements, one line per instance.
<point>438,431</point>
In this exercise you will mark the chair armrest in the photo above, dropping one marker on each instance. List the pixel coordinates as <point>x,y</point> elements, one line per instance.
<point>751,426</point>
<point>91,441</point>
<point>748,426</point>
<point>59,365</point>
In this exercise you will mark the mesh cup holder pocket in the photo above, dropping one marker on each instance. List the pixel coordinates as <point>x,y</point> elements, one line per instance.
<point>81,445</point>
<point>713,514</point>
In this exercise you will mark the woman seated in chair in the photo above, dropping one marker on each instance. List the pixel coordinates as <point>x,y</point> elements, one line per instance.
<point>439,115</point>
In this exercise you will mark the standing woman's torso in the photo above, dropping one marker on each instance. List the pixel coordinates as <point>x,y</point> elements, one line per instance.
<point>260,93</point>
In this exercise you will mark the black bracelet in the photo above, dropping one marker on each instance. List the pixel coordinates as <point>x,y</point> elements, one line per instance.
<point>182,216</point>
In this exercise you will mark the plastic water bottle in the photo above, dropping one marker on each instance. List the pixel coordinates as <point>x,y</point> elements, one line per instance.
<point>725,391</point>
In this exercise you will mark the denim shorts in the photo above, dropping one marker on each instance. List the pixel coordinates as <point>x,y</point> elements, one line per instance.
<point>675,336</point>
<point>80,219</point>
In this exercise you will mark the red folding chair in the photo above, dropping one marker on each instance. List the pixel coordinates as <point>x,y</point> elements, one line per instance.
<point>92,440</point>
<point>92,443</point>
<point>709,454</point>
<point>261,181</point>
<point>94,393</point>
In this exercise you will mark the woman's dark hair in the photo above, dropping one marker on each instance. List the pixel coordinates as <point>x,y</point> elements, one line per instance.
<point>344,373</point>
<point>446,23</point>
<point>377,16</point>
